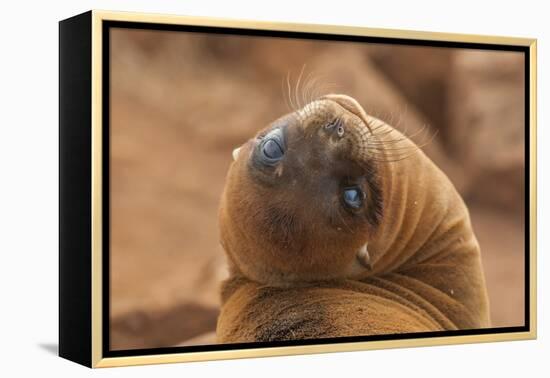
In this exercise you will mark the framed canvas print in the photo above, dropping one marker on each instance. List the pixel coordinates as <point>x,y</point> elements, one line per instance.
<point>235,189</point>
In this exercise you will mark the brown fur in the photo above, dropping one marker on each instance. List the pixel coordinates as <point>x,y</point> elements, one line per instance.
<point>293,262</point>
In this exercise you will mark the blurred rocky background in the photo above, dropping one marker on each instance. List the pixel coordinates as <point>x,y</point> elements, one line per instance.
<point>180,103</point>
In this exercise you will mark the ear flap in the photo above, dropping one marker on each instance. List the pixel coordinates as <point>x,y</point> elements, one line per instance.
<point>350,104</point>
<point>361,264</point>
<point>236,153</point>
<point>364,257</point>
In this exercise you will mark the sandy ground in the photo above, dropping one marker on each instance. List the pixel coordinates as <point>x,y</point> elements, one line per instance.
<point>180,103</point>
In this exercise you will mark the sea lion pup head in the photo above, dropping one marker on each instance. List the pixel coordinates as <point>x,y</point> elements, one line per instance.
<point>302,197</point>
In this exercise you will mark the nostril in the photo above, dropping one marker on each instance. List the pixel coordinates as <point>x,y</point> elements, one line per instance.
<point>332,124</point>
<point>349,104</point>
<point>340,131</point>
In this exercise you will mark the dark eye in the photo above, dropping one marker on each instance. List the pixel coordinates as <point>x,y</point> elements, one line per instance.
<point>272,147</point>
<point>353,197</point>
<point>272,150</point>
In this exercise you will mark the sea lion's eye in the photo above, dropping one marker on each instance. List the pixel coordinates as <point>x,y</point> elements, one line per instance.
<point>272,150</point>
<point>272,147</point>
<point>353,197</point>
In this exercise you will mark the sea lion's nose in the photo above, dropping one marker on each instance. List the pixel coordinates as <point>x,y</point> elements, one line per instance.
<point>351,105</point>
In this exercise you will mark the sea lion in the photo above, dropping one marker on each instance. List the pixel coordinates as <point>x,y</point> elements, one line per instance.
<point>336,224</point>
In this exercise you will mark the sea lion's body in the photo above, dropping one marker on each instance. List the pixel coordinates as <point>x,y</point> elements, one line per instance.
<point>424,269</point>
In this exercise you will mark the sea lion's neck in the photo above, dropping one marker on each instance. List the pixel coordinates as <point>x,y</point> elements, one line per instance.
<point>417,197</point>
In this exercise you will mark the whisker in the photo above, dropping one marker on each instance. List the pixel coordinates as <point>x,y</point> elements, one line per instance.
<point>432,137</point>
<point>382,148</point>
<point>289,91</point>
<point>381,154</point>
<point>391,160</point>
<point>402,115</point>
<point>393,141</point>
<point>308,87</point>
<point>314,87</point>
<point>287,104</point>
<point>379,124</point>
<point>305,88</point>
<point>325,89</point>
<point>377,132</point>
<point>297,86</point>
